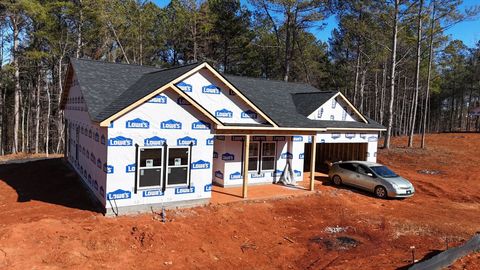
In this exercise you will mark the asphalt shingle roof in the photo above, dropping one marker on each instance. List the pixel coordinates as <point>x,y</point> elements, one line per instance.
<point>110,87</point>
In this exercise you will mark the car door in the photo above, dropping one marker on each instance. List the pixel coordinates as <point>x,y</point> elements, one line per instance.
<point>348,173</point>
<point>365,178</point>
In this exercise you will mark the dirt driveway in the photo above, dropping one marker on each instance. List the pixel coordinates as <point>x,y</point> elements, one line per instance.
<point>46,223</point>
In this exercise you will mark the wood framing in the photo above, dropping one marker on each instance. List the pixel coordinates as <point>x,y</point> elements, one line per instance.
<point>245,166</point>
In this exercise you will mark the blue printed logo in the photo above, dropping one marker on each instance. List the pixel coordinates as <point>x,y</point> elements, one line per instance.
<point>154,141</point>
<point>130,168</point>
<point>159,99</point>
<point>120,141</point>
<point>237,138</point>
<point>96,136</point>
<point>301,156</point>
<point>207,188</point>
<point>102,139</point>
<point>286,155</point>
<point>335,135</point>
<point>152,193</point>
<point>220,138</point>
<point>259,138</point>
<point>183,190</point>
<point>350,135</point>
<point>186,141</point>
<point>182,101</point>
<point>211,89</point>
<point>210,141</point>
<point>201,125</point>
<point>170,124</point>
<point>224,113</point>
<point>279,138</point>
<point>99,163</point>
<point>249,114</point>
<point>322,141</point>
<point>277,173</point>
<point>119,194</point>
<point>363,135</point>
<point>372,139</point>
<point>228,156</point>
<point>219,174</point>
<point>108,168</point>
<point>185,87</point>
<point>297,138</point>
<point>235,175</point>
<point>201,164</point>
<point>111,125</point>
<point>215,154</point>
<point>257,175</point>
<point>297,173</point>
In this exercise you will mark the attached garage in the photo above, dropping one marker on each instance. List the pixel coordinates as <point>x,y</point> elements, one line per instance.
<point>331,152</point>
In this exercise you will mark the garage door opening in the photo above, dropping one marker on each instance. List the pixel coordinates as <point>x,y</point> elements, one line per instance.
<point>334,152</point>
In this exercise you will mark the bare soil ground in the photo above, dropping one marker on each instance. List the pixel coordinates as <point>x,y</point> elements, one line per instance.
<point>46,222</point>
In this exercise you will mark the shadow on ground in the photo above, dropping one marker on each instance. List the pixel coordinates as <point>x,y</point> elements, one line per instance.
<point>48,180</point>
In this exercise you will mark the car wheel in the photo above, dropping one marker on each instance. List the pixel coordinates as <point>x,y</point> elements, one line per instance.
<point>381,192</point>
<point>337,180</point>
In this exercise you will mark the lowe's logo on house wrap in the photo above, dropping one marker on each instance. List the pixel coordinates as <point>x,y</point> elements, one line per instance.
<point>277,173</point>
<point>182,101</point>
<point>335,135</point>
<point>350,135</point>
<point>249,114</point>
<point>372,139</point>
<point>224,113</point>
<point>183,190</point>
<point>287,155</point>
<point>210,141</point>
<point>219,174</point>
<point>120,141</point>
<point>159,99</point>
<point>154,141</point>
<point>201,164</point>
<point>185,87</point>
<point>297,138</point>
<point>186,141</point>
<point>130,168</point>
<point>215,154</point>
<point>235,175</point>
<point>201,125</point>
<point>152,193</point>
<point>228,156</point>
<point>207,188</point>
<point>301,156</point>
<point>297,173</point>
<point>108,168</point>
<point>119,194</point>
<point>211,89</point>
<point>170,124</point>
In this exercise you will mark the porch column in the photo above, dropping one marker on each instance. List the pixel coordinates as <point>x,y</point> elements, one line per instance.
<point>245,165</point>
<point>312,162</point>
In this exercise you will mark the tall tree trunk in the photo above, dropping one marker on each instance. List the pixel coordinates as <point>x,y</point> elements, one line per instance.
<point>16,106</point>
<point>429,75</point>
<point>357,75</point>
<point>417,74</point>
<point>37,112</point>
<point>287,47</point>
<point>393,62</point>
<point>362,89</point>
<point>47,128</point>
<point>78,52</point>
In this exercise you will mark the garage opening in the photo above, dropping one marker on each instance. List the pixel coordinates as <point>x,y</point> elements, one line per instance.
<point>334,152</point>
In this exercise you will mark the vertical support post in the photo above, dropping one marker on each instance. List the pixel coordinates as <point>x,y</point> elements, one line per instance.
<point>245,166</point>
<point>312,162</point>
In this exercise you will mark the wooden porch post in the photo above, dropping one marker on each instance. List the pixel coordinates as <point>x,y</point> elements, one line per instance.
<point>312,162</point>
<point>245,166</point>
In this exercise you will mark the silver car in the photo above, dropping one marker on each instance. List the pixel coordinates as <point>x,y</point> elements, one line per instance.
<point>372,177</point>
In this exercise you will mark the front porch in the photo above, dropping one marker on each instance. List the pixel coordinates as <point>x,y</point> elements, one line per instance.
<point>222,195</point>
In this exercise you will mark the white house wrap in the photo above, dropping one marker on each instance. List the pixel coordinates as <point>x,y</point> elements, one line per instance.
<point>142,137</point>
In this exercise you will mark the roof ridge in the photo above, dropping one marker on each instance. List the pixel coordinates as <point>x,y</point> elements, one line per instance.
<point>266,79</point>
<point>175,67</point>
<point>112,63</point>
<point>317,92</point>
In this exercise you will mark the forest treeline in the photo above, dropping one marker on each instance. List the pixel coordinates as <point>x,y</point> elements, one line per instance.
<point>391,58</point>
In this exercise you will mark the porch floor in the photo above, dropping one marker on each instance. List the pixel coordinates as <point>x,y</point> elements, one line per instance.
<point>266,191</point>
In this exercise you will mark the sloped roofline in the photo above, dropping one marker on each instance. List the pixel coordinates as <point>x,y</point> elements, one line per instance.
<point>172,85</point>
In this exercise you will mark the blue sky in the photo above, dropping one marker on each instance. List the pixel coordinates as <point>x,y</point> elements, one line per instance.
<point>467,31</point>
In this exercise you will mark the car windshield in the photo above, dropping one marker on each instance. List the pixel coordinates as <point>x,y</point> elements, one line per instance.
<point>383,171</point>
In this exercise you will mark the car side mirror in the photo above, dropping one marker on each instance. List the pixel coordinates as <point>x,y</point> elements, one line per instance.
<point>370,174</point>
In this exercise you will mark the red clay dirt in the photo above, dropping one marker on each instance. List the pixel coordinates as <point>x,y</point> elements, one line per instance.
<point>47,222</point>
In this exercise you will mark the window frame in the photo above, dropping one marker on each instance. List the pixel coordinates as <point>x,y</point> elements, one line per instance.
<point>274,156</point>
<point>162,170</point>
<point>256,156</point>
<point>189,164</point>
